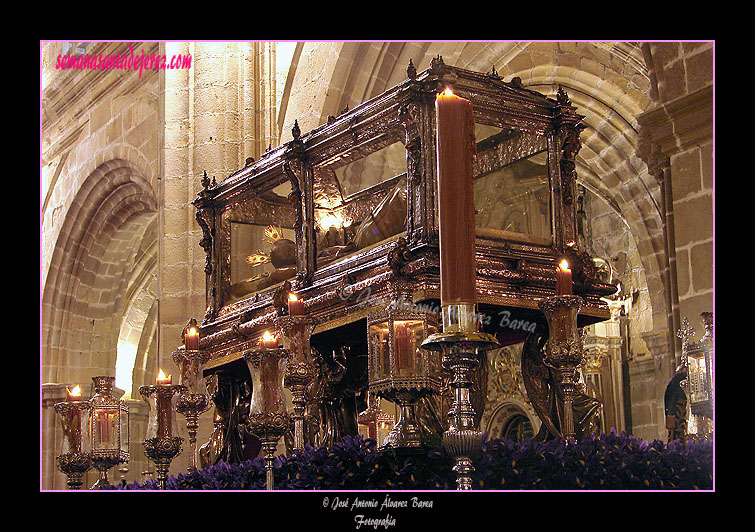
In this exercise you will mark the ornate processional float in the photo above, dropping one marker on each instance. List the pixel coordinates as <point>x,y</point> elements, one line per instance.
<point>377,247</point>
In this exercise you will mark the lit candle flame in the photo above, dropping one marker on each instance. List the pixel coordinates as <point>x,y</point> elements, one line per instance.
<point>448,92</point>
<point>267,337</point>
<point>564,266</point>
<point>162,379</point>
<point>192,331</point>
<point>74,394</point>
<point>292,297</point>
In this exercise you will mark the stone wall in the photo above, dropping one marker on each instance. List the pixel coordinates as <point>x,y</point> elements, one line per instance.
<point>215,116</point>
<point>677,144</point>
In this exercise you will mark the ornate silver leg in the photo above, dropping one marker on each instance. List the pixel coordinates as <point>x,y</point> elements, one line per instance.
<point>462,440</point>
<point>194,400</point>
<point>298,375</point>
<point>269,427</point>
<point>191,405</point>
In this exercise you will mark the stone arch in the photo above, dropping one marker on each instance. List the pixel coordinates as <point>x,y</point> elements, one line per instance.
<point>90,265</point>
<point>504,411</point>
<point>75,182</point>
<point>328,77</point>
<point>137,332</point>
<point>609,86</point>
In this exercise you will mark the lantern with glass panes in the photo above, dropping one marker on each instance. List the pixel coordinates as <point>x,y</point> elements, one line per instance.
<point>698,357</point>
<point>108,428</point>
<point>374,423</point>
<point>398,370</point>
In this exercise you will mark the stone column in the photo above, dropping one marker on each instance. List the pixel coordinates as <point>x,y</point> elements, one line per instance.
<point>603,351</point>
<point>214,116</point>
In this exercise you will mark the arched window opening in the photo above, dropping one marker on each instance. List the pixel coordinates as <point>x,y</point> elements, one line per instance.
<point>518,428</point>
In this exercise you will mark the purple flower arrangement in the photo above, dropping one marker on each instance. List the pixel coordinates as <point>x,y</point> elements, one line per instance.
<point>607,462</point>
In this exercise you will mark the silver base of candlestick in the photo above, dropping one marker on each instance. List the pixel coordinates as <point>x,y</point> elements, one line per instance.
<point>161,451</point>
<point>463,445</point>
<point>73,466</point>
<point>269,427</point>
<point>460,344</point>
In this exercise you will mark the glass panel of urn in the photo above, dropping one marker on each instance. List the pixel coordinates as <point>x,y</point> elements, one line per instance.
<point>258,240</point>
<point>512,191</point>
<point>261,256</point>
<point>372,169</point>
<point>360,200</point>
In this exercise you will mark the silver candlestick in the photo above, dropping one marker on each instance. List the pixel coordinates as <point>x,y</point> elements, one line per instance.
<point>75,458</point>
<point>460,344</point>
<point>194,400</point>
<point>162,442</point>
<point>564,353</point>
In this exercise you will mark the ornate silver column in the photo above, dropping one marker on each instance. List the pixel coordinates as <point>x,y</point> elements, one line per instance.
<point>564,353</point>
<point>460,344</point>
<point>268,418</point>
<point>300,370</point>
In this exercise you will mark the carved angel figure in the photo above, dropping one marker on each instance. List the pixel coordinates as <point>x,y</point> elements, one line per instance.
<point>675,404</point>
<point>546,397</point>
<point>336,396</point>
<point>228,442</point>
